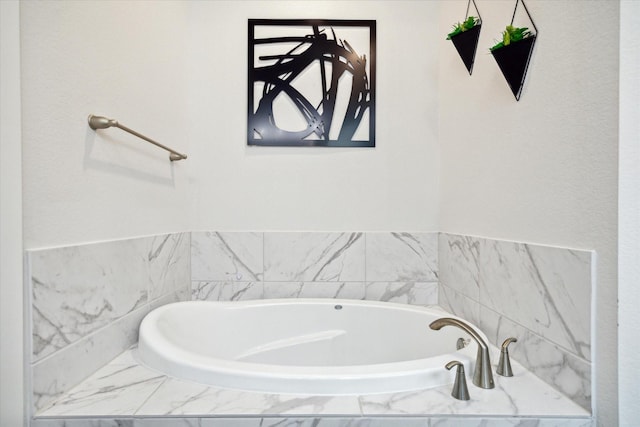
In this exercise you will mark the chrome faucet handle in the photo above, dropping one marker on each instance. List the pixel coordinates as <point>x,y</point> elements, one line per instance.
<point>504,365</point>
<point>460,390</point>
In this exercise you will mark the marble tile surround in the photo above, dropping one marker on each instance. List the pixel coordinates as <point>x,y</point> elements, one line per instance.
<point>127,393</point>
<point>88,301</point>
<point>397,267</point>
<point>388,421</point>
<point>539,294</point>
<point>465,275</point>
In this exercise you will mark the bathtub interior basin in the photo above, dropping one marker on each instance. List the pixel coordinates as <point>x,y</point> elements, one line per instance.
<point>303,346</point>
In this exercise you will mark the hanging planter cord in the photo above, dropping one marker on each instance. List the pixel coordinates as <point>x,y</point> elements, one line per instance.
<point>477,11</point>
<point>514,14</point>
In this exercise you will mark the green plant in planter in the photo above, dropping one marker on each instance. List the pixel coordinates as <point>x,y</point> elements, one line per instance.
<point>458,28</point>
<point>511,35</point>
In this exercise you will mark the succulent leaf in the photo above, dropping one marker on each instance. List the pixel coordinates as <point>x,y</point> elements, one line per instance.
<point>458,28</point>
<point>511,35</point>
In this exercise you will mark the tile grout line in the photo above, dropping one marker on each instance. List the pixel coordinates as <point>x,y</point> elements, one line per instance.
<point>150,395</point>
<point>537,335</point>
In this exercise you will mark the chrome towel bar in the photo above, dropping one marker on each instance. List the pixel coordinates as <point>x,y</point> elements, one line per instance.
<point>99,122</point>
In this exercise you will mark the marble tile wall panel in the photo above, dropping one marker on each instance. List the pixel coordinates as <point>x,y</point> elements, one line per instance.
<point>241,291</point>
<point>314,265</point>
<point>345,290</point>
<point>58,373</point>
<point>77,290</point>
<point>169,264</point>
<point>458,304</point>
<point>227,256</point>
<point>402,257</point>
<point>181,294</point>
<point>322,422</point>
<point>317,422</point>
<point>314,257</point>
<point>235,291</point>
<point>554,365</point>
<point>400,292</point>
<point>459,266</point>
<point>205,291</point>
<point>417,293</point>
<point>510,422</point>
<point>539,294</point>
<point>89,300</point>
<point>227,291</point>
<point>545,289</point>
<point>173,422</point>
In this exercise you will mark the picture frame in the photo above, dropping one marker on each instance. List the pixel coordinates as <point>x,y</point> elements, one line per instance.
<point>311,82</point>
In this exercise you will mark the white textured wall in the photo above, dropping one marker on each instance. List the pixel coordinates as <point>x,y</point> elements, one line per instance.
<point>11,310</point>
<point>542,170</point>
<point>126,60</point>
<point>176,71</point>
<point>629,243</point>
<point>391,187</point>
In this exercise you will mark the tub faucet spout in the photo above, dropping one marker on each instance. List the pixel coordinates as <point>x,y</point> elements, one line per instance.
<point>482,376</point>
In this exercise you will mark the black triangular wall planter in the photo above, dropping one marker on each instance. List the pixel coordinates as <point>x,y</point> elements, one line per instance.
<point>513,61</point>
<point>466,44</point>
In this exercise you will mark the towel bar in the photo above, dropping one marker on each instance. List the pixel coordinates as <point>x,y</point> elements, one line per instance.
<point>99,122</point>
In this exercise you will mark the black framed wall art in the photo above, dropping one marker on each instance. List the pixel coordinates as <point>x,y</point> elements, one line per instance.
<point>311,82</point>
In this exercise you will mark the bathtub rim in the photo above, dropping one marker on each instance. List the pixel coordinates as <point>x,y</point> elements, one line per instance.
<point>308,379</point>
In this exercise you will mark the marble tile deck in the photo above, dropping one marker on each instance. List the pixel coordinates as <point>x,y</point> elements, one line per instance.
<point>126,389</point>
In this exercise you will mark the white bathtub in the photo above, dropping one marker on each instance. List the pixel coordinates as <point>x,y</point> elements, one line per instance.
<point>307,346</point>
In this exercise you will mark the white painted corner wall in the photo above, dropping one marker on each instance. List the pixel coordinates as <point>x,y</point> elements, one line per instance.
<point>126,63</point>
<point>629,226</point>
<point>189,92</point>
<point>544,169</point>
<point>12,387</point>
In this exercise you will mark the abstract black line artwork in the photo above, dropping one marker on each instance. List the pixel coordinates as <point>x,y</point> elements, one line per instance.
<point>311,82</point>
